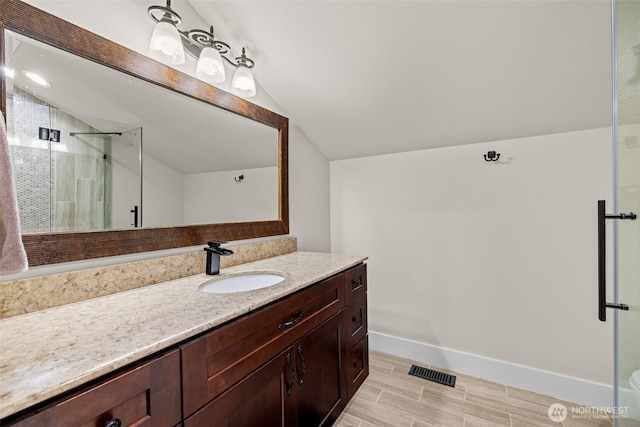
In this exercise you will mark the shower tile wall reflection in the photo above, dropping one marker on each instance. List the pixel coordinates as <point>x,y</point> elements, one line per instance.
<point>31,160</point>
<point>32,172</point>
<point>61,186</point>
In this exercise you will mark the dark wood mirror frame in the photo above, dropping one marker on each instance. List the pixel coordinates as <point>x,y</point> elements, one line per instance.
<point>53,248</point>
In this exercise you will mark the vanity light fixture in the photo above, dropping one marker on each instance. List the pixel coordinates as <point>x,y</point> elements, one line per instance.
<point>243,82</point>
<point>168,45</point>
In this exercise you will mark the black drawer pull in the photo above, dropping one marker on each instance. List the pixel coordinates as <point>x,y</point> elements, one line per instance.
<point>358,366</point>
<point>113,423</point>
<point>291,322</point>
<point>358,321</point>
<point>356,283</point>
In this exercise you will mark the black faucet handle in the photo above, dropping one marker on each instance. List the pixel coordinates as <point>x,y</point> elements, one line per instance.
<point>215,244</point>
<point>214,248</point>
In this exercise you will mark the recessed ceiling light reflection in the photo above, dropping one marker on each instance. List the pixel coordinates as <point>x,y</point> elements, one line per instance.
<point>36,78</point>
<point>9,72</point>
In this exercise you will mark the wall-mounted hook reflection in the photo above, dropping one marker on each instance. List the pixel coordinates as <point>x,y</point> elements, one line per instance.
<point>239,179</point>
<point>491,156</point>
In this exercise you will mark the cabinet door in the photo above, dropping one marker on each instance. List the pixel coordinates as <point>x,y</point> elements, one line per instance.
<point>265,398</point>
<point>320,385</point>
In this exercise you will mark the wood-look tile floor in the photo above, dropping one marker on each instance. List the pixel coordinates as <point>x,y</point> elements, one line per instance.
<point>391,397</point>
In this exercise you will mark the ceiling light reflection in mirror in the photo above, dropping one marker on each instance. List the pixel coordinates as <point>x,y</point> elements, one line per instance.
<point>192,151</point>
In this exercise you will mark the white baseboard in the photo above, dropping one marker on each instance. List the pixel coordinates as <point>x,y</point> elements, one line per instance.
<point>538,381</point>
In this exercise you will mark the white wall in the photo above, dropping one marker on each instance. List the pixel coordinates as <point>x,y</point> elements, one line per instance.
<point>485,267</point>
<point>217,197</point>
<point>162,192</point>
<point>308,194</point>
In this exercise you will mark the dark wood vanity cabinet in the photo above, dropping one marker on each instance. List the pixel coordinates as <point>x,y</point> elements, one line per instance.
<point>301,386</point>
<point>219,359</point>
<point>357,363</point>
<point>282,365</point>
<point>293,363</point>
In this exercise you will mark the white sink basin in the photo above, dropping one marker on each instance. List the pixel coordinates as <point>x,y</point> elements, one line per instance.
<point>243,283</point>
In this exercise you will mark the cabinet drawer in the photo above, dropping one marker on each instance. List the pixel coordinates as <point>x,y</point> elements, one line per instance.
<point>357,366</point>
<point>356,322</point>
<point>213,363</point>
<point>356,279</point>
<point>147,395</point>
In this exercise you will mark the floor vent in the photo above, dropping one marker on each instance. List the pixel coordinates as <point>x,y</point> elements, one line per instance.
<point>431,375</point>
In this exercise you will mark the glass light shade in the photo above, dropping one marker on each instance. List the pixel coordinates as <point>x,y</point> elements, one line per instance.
<point>166,45</point>
<point>243,83</point>
<point>210,67</point>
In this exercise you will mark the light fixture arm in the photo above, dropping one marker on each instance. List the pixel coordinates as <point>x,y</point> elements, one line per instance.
<point>243,61</point>
<point>166,14</point>
<point>204,39</point>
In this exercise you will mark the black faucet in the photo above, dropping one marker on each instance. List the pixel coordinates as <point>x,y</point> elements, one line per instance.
<point>213,257</point>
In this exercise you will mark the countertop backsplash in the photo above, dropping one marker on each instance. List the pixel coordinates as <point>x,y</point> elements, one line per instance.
<point>38,293</point>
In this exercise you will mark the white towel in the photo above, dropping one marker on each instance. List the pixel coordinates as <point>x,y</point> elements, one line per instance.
<point>13,258</point>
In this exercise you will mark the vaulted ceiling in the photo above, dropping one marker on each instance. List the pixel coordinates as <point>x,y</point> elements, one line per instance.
<point>362,78</point>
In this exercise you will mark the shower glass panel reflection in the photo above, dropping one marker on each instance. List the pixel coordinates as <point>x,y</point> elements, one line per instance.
<point>126,179</point>
<point>66,168</point>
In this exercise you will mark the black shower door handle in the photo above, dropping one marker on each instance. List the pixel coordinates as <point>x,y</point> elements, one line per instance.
<point>134,211</point>
<point>602,260</point>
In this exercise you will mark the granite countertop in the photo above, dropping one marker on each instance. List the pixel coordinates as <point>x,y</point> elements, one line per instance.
<point>48,352</point>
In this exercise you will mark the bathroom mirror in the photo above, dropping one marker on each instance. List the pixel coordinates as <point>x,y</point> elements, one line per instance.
<point>124,153</point>
<point>194,137</point>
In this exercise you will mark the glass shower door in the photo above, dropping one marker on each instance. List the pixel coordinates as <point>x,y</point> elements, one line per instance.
<point>627,142</point>
<point>125,163</point>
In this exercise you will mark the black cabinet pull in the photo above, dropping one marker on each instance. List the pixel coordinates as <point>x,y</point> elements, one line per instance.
<point>356,283</point>
<point>304,366</point>
<point>293,375</point>
<point>113,423</point>
<point>358,366</point>
<point>356,320</point>
<point>292,321</point>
